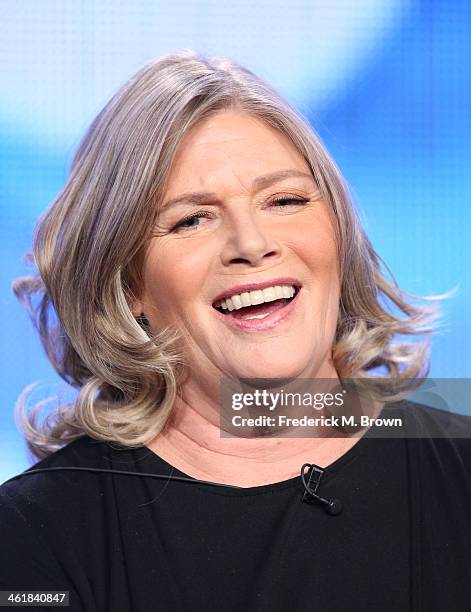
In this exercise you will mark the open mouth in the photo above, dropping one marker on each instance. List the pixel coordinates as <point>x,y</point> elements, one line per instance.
<point>267,301</point>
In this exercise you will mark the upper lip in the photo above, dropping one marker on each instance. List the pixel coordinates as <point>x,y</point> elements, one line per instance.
<point>256,286</point>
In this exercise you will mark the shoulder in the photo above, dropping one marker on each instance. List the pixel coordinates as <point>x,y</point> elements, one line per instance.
<point>429,419</point>
<point>440,437</point>
<point>39,514</point>
<point>28,489</point>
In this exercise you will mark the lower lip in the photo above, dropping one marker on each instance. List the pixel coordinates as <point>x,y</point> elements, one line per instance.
<point>271,320</point>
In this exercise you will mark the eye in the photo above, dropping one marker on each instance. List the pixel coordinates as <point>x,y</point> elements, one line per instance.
<point>187,222</point>
<point>288,201</point>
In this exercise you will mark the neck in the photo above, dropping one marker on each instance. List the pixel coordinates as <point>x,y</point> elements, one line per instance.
<point>191,442</point>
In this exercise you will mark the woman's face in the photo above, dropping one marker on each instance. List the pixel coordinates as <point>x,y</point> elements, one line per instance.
<point>246,211</point>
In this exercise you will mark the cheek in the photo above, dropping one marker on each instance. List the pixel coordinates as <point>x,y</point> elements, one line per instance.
<point>323,259</point>
<point>175,275</point>
<point>314,243</point>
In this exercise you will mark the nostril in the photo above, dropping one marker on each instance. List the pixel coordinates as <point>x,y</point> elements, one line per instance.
<point>239,260</point>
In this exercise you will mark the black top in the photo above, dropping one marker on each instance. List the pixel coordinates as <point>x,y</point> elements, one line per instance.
<point>124,543</point>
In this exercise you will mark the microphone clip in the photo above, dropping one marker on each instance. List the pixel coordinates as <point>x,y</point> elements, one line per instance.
<point>331,506</point>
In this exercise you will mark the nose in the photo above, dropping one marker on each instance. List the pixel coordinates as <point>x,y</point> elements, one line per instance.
<point>248,241</point>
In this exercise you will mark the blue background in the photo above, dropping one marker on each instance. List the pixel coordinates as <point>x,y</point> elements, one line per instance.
<point>385,83</point>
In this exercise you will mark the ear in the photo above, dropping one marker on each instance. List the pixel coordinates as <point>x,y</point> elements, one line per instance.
<point>137,308</point>
<point>135,301</point>
<point>134,286</point>
<point>134,295</point>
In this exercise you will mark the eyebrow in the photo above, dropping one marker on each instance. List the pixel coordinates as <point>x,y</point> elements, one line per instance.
<point>259,183</point>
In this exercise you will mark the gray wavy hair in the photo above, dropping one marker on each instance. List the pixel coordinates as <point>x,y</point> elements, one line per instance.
<point>88,250</point>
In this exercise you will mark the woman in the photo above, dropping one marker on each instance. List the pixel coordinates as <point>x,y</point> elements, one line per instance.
<point>196,189</point>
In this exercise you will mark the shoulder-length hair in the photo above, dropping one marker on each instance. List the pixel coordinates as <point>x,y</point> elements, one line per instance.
<point>88,250</point>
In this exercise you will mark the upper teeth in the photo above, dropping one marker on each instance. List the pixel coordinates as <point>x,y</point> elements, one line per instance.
<point>252,298</point>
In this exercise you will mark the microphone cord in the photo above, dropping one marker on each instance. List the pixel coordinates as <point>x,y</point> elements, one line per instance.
<point>331,506</point>
<point>125,473</point>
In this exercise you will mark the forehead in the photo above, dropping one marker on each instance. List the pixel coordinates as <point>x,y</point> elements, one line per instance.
<point>231,146</point>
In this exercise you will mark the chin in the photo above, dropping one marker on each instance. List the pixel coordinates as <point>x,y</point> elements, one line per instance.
<point>273,369</point>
